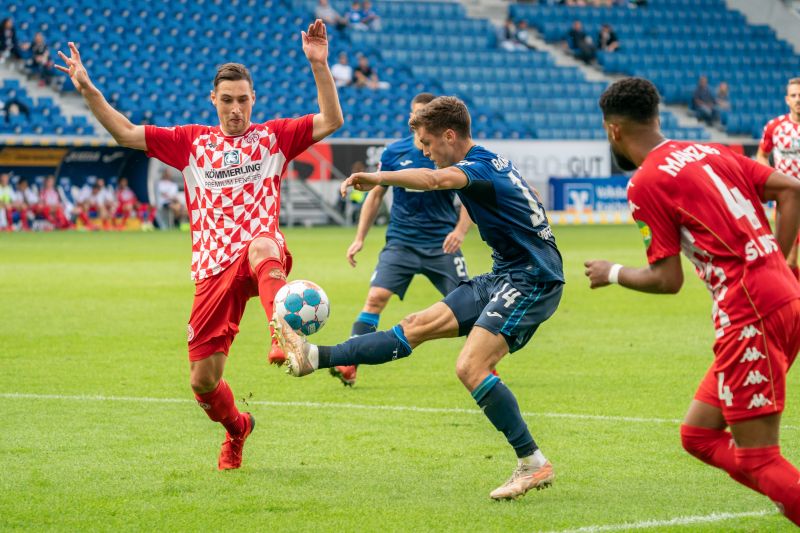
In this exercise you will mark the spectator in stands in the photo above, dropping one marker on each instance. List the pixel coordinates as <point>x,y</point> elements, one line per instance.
<point>366,75</point>
<point>21,203</point>
<point>704,104</point>
<point>128,205</point>
<point>169,199</point>
<point>12,107</point>
<point>723,97</point>
<point>581,44</point>
<point>607,39</point>
<point>342,71</point>
<point>6,195</point>
<point>354,17</point>
<point>329,15</point>
<point>50,205</point>
<point>508,36</point>
<point>9,46</point>
<point>515,37</point>
<point>369,17</point>
<point>40,62</point>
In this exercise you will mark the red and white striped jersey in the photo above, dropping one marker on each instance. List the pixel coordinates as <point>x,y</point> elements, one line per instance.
<point>232,183</point>
<point>782,138</point>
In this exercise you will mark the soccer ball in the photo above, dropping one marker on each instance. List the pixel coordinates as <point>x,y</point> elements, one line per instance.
<point>303,305</point>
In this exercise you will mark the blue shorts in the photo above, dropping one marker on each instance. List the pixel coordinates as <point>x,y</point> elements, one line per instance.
<point>511,303</point>
<point>397,265</point>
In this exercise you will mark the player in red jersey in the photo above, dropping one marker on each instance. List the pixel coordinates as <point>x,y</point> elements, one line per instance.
<point>232,174</point>
<point>127,205</point>
<point>705,200</point>
<point>782,139</point>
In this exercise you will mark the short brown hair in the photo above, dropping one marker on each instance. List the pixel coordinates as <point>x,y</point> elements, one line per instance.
<point>793,81</point>
<point>423,98</point>
<point>443,113</point>
<point>232,72</point>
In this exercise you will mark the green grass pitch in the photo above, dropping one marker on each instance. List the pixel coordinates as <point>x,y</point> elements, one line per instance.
<point>104,316</point>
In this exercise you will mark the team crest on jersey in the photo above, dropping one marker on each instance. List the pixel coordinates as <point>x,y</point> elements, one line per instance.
<point>232,158</point>
<point>647,235</point>
<point>189,332</point>
<point>253,137</point>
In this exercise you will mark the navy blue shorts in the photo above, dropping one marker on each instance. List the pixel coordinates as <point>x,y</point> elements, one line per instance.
<point>397,265</point>
<point>511,303</point>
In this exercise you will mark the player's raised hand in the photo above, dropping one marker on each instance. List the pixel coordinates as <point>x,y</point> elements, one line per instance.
<point>353,250</point>
<point>597,272</point>
<point>360,181</point>
<point>74,68</point>
<point>452,242</point>
<point>315,42</point>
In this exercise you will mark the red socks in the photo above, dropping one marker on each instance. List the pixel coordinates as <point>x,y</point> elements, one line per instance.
<point>271,278</point>
<point>776,477</point>
<point>761,469</point>
<point>221,407</point>
<point>715,447</point>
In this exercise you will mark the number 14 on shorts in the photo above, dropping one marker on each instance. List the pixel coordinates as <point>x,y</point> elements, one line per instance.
<point>510,295</point>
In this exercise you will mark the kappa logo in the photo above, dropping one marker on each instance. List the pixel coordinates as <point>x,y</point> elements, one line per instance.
<point>748,332</point>
<point>754,378</point>
<point>758,400</point>
<point>494,314</point>
<point>204,405</point>
<point>232,158</point>
<point>752,354</point>
<point>405,163</point>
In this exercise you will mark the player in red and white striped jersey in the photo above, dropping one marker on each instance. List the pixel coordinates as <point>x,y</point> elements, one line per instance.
<point>706,200</point>
<point>782,139</point>
<point>232,174</point>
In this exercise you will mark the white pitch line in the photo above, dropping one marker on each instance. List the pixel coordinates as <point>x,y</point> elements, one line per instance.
<point>333,405</point>
<point>678,521</point>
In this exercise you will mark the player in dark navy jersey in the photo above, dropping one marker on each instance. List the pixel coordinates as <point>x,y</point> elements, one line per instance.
<point>424,236</point>
<point>498,311</point>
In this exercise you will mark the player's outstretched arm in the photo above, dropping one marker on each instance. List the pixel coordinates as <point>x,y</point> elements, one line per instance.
<point>785,191</point>
<point>366,218</point>
<point>455,238</point>
<point>117,124</point>
<point>662,277</point>
<point>420,179</point>
<point>315,46</point>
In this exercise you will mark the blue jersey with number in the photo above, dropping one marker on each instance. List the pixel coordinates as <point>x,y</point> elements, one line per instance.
<point>509,216</point>
<point>419,218</point>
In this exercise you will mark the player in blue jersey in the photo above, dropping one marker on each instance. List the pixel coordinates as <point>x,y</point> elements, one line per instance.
<point>424,236</point>
<point>498,311</point>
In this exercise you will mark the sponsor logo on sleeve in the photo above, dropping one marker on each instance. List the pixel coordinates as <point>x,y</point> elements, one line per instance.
<point>647,235</point>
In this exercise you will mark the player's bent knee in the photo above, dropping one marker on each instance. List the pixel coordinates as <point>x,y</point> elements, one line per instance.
<point>262,248</point>
<point>377,300</point>
<point>202,384</point>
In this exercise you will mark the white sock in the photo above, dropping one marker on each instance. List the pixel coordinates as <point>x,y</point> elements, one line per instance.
<point>536,459</point>
<point>313,356</point>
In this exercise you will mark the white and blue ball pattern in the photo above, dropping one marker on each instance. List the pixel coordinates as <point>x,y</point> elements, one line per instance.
<point>303,305</point>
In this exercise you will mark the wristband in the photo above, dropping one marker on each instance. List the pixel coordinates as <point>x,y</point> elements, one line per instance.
<point>613,274</point>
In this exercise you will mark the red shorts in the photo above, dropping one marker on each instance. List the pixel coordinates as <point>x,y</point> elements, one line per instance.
<point>748,377</point>
<point>219,303</point>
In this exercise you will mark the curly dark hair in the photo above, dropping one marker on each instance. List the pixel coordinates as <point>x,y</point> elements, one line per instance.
<point>632,98</point>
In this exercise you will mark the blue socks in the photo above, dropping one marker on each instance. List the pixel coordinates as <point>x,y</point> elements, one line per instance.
<point>370,349</point>
<point>365,323</point>
<point>501,408</point>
